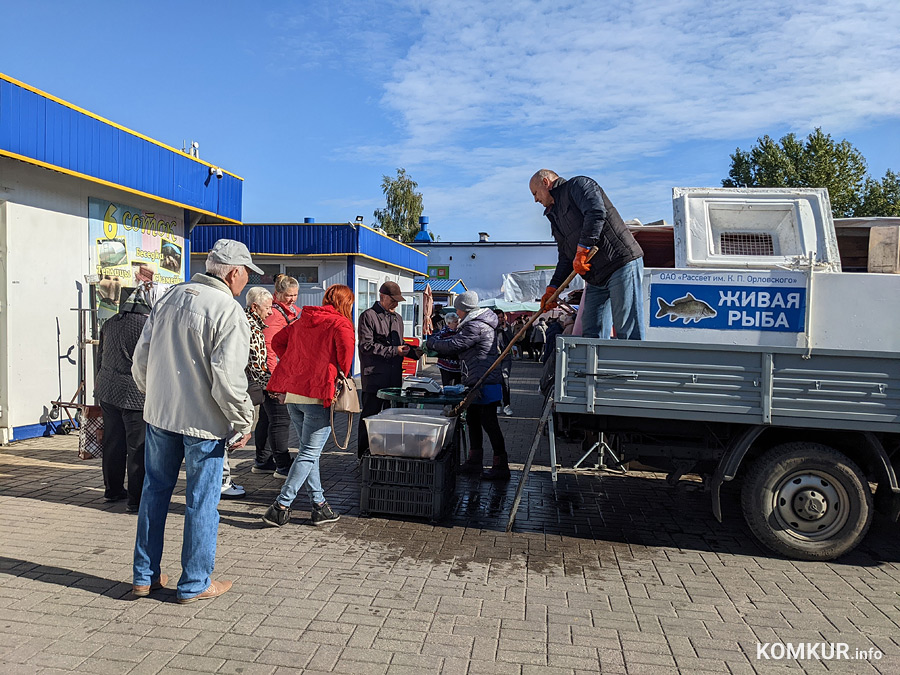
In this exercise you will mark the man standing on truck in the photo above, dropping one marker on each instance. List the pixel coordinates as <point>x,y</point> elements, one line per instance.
<point>582,216</point>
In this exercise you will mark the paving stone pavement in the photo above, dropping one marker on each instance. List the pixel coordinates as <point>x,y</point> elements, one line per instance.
<point>602,573</point>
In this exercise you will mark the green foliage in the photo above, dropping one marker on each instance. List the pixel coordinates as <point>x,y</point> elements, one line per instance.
<point>882,198</point>
<point>403,206</point>
<point>818,161</point>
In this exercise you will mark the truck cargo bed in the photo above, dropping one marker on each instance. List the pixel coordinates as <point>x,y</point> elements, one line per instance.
<point>833,389</point>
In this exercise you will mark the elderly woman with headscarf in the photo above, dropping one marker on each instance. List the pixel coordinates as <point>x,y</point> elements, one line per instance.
<point>475,345</point>
<point>122,402</point>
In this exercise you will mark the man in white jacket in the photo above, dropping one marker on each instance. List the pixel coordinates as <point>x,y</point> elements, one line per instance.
<point>190,362</point>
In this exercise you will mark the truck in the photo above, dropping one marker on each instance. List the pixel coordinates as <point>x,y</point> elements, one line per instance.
<point>764,363</point>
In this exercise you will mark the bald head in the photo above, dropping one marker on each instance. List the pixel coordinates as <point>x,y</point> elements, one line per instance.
<point>540,185</point>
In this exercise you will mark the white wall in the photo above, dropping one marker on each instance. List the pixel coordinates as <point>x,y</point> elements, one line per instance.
<point>44,249</point>
<point>481,266</point>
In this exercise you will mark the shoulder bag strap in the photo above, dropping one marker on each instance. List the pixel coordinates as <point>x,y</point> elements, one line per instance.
<point>349,429</point>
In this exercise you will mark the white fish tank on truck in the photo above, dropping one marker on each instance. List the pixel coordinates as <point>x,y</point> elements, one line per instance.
<point>761,267</point>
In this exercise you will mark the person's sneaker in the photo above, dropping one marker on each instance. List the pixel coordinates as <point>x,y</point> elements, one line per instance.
<point>144,591</point>
<point>282,472</point>
<point>496,473</point>
<point>507,410</point>
<point>268,467</point>
<point>132,508</point>
<point>233,492</point>
<point>276,515</point>
<point>216,588</point>
<point>322,513</point>
<point>108,497</point>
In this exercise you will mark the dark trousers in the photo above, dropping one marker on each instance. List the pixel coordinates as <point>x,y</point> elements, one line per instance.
<point>537,350</point>
<point>371,405</point>
<point>123,451</point>
<point>481,419</point>
<point>272,430</point>
<point>504,382</point>
<point>449,377</point>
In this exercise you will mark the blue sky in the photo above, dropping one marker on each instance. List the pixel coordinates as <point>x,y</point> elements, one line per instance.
<point>313,102</point>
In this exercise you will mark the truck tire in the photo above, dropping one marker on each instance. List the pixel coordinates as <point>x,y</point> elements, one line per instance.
<point>807,501</point>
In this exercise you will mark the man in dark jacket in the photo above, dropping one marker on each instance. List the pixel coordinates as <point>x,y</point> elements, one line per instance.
<point>582,216</point>
<point>381,352</point>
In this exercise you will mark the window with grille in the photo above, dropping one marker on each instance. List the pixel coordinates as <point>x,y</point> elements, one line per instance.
<point>267,278</point>
<point>746,243</point>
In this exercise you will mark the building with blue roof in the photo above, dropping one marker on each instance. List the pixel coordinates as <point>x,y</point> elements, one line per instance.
<point>88,208</point>
<point>321,254</point>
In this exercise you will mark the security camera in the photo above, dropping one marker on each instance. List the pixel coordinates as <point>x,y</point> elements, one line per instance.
<point>219,174</point>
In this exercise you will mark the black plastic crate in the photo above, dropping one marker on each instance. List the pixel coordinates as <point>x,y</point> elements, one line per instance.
<point>403,486</point>
<point>433,474</point>
<point>401,500</point>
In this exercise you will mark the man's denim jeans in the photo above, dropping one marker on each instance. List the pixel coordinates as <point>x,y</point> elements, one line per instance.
<point>312,422</point>
<point>203,468</point>
<point>621,300</point>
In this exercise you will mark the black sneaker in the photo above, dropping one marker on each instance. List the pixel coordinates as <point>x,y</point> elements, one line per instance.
<point>268,467</point>
<point>276,515</point>
<point>117,497</point>
<point>322,513</point>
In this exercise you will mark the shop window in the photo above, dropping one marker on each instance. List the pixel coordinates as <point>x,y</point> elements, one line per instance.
<point>304,275</point>
<point>267,278</point>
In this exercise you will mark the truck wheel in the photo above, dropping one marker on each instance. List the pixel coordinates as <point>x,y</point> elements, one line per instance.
<point>807,501</point>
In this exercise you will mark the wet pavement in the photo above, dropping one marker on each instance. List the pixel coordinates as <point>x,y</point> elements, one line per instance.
<point>601,573</point>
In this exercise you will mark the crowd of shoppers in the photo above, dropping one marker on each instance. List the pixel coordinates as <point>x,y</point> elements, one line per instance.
<point>184,378</point>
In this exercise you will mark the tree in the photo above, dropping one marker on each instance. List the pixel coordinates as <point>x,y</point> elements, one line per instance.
<point>817,162</point>
<point>882,198</point>
<point>403,206</point>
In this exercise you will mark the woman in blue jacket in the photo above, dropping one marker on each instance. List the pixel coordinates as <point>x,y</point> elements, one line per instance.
<point>475,345</point>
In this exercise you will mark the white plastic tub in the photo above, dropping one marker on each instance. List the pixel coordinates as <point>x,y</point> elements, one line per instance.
<point>406,432</point>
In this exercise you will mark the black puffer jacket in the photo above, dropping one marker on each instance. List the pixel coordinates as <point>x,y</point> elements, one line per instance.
<point>474,344</point>
<point>582,214</point>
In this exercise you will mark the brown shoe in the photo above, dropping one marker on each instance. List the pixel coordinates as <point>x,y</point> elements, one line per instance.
<point>216,588</point>
<point>144,591</point>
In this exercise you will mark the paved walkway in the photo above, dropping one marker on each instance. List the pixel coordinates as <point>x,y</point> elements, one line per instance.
<point>613,575</point>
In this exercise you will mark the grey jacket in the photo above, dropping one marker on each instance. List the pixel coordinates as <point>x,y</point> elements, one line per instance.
<point>475,344</point>
<point>190,361</point>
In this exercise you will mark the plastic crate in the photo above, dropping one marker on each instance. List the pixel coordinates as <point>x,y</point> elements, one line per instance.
<point>433,474</point>
<point>402,486</point>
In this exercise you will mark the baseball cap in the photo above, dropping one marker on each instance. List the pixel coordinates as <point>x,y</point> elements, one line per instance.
<point>392,289</point>
<point>231,252</point>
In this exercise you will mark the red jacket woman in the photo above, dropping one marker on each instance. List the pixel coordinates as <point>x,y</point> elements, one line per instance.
<point>310,351</point>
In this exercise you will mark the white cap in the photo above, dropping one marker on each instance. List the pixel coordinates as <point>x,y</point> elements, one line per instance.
<point>231,252</point>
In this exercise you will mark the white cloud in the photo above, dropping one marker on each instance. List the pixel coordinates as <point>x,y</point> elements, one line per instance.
<point>488,91</point>
<point>499,89</point>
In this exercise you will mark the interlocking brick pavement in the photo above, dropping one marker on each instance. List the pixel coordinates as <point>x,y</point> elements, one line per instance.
<point>602,573</point>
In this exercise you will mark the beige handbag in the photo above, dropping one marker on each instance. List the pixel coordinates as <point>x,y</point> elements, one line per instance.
<point>346,399</point>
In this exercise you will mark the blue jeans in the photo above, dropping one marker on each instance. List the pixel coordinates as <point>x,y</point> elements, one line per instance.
<point>619,301</point>
<point>203,468</point>
<point>312,422</point>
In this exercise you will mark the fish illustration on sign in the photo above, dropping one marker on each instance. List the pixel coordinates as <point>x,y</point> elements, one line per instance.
<point>687,308</point>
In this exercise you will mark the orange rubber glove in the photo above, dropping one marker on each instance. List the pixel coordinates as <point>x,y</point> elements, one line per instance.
<point>580,264</point>
<point>545,304</point>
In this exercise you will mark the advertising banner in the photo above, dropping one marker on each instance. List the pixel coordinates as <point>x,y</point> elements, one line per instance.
<point>129,246</point>
<point>728,300</point>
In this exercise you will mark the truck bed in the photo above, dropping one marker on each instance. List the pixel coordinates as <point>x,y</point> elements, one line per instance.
<point>747,384</point>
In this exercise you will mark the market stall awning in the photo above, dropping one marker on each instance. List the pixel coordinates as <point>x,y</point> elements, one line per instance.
<point>508,306</point>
